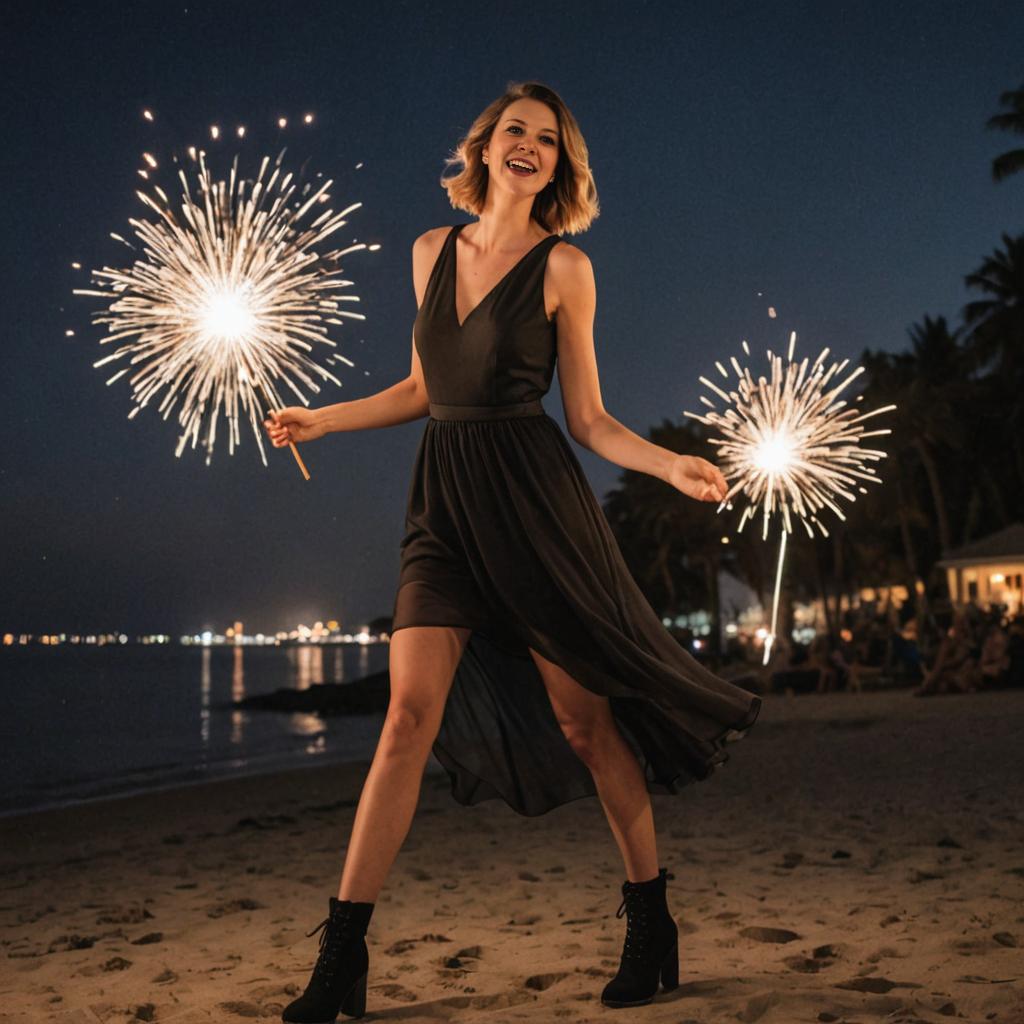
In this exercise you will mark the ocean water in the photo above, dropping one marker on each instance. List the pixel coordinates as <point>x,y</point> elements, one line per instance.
<point>83,722</point>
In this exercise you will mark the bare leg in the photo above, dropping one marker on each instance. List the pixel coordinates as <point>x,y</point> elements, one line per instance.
<point>422,661</point>
<point>587,722</point>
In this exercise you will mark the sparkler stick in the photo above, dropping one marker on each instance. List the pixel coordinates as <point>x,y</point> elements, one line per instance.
<point>791,445</point>
<point>269,410</point>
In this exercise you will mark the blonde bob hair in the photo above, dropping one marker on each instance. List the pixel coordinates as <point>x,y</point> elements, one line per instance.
<point>566,205</point>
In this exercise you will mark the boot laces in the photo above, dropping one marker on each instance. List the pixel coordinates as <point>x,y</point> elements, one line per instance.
<point>638,931</point>
<point>332,942</point>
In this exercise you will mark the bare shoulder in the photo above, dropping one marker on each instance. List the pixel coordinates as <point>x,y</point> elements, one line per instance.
<point>428,245</point>
<point>569,262</point>
<point>432,237</point>
<point>425,250</point>
<point>571,271</point>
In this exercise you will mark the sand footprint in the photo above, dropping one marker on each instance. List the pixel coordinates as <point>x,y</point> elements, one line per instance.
<point>541,982</point>
<point>759,934</point>
<point>234,907</point>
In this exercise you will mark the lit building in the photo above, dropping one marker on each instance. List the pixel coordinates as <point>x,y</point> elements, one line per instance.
<point>989,570</point>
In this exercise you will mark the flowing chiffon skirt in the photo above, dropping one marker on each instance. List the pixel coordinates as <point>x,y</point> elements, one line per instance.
<point>504,536</point>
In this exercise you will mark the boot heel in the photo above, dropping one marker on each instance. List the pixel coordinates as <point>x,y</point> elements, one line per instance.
<point>670,968</point>
<point>354,1004</point>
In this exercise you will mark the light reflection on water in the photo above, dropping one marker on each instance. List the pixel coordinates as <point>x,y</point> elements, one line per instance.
<point>135,718</point>
<point>307,664</point>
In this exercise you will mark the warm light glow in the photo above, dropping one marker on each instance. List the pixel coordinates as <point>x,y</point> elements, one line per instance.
<point>997,577</point>
<point>774,454</point>
<point>147,115</point>
<point>214,131</point>
<point>282,122</point>
<point>149,159</point>
<point>789,441</point>
<point>308,119</point>
<point>226,314</point>
<point>241,131</point>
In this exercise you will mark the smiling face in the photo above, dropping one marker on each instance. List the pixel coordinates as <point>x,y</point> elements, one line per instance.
<point>526,136</point>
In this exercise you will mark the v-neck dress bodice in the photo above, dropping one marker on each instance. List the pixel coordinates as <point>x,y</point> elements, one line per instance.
<point>504,537</point>
<point>504,351</point>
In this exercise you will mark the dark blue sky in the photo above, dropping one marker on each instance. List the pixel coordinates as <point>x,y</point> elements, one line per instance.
<point>832,156</point>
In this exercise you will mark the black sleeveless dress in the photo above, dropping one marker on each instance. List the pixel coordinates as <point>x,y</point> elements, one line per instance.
<point>504,536</point>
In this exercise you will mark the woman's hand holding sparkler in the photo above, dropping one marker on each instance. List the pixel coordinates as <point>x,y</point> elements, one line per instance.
<point>698,478</point>
<point>292,424</point>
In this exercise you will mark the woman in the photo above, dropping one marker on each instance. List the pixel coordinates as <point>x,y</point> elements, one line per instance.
<point>522,651</point>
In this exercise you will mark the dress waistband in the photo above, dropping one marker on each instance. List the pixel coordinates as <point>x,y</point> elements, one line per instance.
<point>486,412</point>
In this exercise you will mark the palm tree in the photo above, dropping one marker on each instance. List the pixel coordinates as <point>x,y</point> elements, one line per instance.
<point>650,540</point>
<point>995,341</point>
<point>671,543</point>
<point>929,388</point>
<point>996,324</point>
<point>1011,120</point>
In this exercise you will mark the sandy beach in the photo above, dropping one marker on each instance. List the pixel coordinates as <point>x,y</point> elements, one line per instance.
<point>859,858</point>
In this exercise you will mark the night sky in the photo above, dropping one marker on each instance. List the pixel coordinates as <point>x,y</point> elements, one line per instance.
<point>830,156</point>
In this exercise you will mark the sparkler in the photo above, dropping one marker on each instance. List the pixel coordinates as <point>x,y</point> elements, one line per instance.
<point>231,293</point>
<point>791,445</point>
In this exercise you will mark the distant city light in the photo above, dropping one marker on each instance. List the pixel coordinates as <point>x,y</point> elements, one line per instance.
<point>233,635</point>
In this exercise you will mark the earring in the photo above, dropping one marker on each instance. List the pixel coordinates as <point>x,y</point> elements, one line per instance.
<point>484,158</point>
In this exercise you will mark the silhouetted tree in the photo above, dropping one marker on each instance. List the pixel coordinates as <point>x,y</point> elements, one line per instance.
<point>995,343</point>
<point>1010,120</point>
<point>671,543</point>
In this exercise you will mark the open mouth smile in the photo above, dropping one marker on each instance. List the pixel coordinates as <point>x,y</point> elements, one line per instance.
<point>520,167</point>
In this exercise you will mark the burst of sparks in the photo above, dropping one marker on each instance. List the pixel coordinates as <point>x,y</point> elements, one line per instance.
<point>231,292</point>
<point>790,443</point>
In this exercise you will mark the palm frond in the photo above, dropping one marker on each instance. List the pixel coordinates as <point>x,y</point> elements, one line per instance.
<point>1007,163</point>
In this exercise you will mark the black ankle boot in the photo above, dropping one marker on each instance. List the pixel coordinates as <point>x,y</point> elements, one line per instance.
<point>338,982</point>
<point>652,945</point>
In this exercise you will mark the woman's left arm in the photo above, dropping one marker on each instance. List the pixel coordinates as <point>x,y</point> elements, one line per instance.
<point>588,421</point>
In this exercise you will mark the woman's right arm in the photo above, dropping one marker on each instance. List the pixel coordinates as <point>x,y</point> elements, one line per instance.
<point>407,400</point>
<point>400,403</point>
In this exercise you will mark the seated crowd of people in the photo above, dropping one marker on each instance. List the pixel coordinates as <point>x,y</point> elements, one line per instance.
<point>966,650</point>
